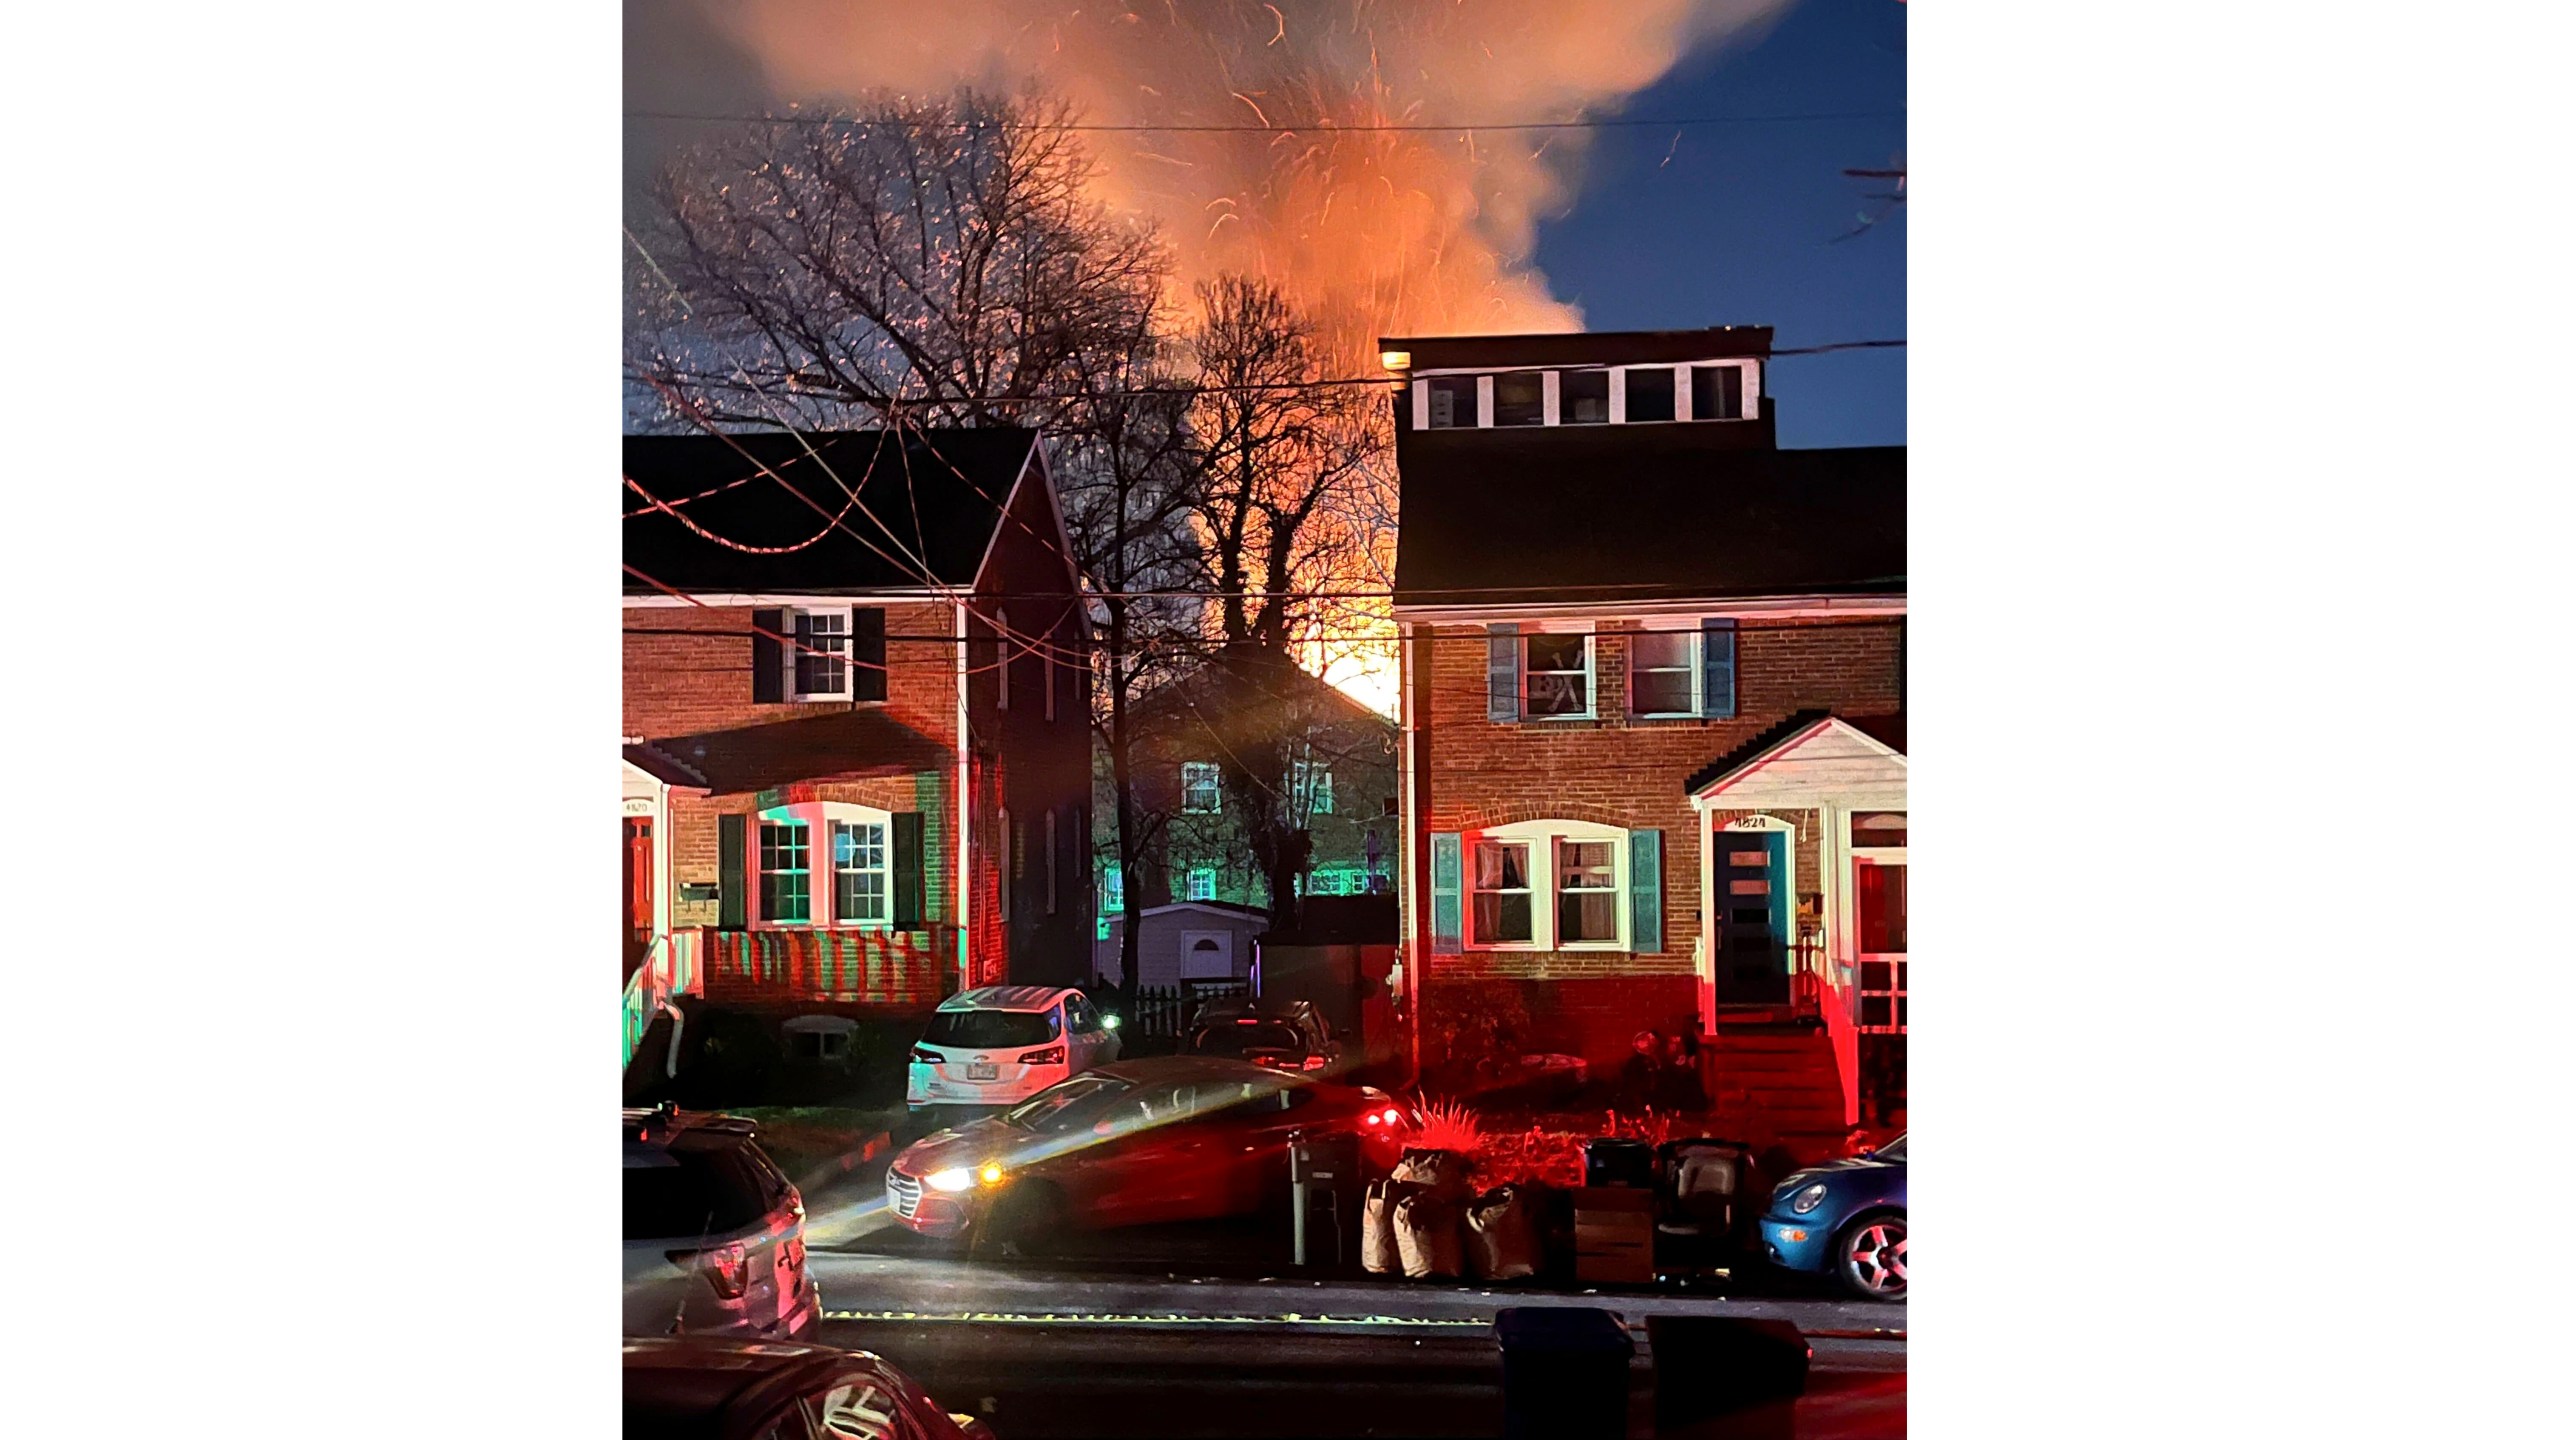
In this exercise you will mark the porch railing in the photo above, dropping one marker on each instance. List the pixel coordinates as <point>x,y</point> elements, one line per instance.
<point>892,968</point>
<point>1828,984</point>
<point>673,967</point>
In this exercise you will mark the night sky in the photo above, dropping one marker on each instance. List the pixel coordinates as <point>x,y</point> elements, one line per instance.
<point>1739,228</point>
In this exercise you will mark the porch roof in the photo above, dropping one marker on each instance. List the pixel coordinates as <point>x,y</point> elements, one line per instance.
<point>1884,732</point>
<point>843,744</point>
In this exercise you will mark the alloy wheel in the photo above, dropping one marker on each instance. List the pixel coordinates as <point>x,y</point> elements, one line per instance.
<point>1876,1258</point>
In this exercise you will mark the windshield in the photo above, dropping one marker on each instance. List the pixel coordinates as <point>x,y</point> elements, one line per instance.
<point>1236,1039</point>
<point>1069,1105</point>
<point>1896,1151</point>
<point>990,1029</point>
<point>706,1192</point>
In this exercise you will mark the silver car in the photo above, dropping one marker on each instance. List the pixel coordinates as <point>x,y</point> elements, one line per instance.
<point>711,1231</point>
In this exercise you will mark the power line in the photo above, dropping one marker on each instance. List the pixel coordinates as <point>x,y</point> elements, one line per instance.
<point>847,122</point>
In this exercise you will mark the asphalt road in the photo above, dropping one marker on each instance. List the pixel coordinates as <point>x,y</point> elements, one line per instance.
<point>1050,1354</point>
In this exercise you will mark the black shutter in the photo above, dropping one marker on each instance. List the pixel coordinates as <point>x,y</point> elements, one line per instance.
<point>769,627</point>
<point>906,869</point>
<point>1502,672</point>
<point>1716,669</point>
<point>733,872</point>
<point>871,653</point>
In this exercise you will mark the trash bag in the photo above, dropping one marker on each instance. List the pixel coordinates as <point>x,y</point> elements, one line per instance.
<point>1378,1232</point>
<point>1502,1235</point>
<point>1442,1172</point>
<point>1427,1238</point>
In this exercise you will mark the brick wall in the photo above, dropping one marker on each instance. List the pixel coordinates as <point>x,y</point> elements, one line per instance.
<point>686,669</point>
<point>1621,771</point>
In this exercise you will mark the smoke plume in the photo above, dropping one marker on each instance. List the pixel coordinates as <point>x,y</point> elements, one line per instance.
<point>1382,233</point>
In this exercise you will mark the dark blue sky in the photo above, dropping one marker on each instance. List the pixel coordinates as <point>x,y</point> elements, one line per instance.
<point>1739,228</point>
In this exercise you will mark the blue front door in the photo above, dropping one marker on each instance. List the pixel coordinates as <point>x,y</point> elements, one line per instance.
<point>1752,890</point>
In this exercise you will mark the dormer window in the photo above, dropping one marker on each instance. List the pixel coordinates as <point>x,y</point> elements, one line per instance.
<point>1715,392</point>
<point>1652,393</point>
<point>1583,397</point>
<point>1450,402</point>
<point>1520,398</point>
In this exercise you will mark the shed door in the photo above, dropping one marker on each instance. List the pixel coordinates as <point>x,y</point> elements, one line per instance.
<point>1208,955</point>
<point>1751,926</point>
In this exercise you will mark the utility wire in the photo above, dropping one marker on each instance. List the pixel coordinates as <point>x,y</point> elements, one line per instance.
<point>849,122</point>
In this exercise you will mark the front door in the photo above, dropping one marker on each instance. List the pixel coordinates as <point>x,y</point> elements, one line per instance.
<point>1884,989</point>
<point>1751,926</point>
<point>639,892</point>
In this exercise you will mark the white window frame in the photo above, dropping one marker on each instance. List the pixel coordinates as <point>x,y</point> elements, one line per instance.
<point>1697,680</point>
<point>1544,839</point>
<point>1590,672</point>
<point>791,691</point>
<point>1191,882</point>
<point>820,816</point>
<point>1193,772</point>
<point>1683,410</point>
<point>1311,786</point>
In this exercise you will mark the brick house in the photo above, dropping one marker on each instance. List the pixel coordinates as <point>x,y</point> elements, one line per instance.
<point>1340,781</point>
<point>1653,675</point>
<point>826,731</point>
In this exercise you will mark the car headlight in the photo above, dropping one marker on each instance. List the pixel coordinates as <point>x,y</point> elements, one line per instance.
<point>957,1178</point>
<point>1806,1199</point>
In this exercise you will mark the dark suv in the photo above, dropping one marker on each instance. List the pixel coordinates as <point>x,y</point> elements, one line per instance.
<point>711,1231</point>
<point>1279,1035</point>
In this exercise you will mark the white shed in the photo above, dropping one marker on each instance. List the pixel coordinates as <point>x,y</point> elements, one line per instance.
<point>1187,940</point>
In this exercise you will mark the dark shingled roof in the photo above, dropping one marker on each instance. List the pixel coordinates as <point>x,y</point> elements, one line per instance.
<point>842,744</point>
<point>937,496</point>
<point>1640,512</point>
<point>1885,729</point>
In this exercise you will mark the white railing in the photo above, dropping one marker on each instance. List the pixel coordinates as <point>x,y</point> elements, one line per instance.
<point>673,967</point>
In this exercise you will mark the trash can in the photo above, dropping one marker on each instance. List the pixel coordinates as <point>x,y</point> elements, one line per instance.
<point>1726,1376</point>
<point>1564,1371</point>
<point>1324,1200</point>
<point>1617,1160</point>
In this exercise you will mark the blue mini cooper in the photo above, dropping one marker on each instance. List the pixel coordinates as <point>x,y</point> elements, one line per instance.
<point>1848,1217</point>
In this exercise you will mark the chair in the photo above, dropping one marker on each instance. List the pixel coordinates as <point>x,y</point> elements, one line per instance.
<point>1701,1205</point>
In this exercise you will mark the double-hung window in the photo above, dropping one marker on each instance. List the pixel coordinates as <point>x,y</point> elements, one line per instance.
<point>1662,673</point>
<point>1504,899</point>
<point>1548,885</point>
<point>861,854</point>
<point>1200,794</point>
<point>782,872</point>
<point>1557,670</point>
<point>818,657</point>
<point>1311,786</point>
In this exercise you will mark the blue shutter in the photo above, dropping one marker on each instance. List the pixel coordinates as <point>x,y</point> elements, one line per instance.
<point>1644,891</point>
<point>1502,672</point>
<point>1448,899</point>
<point>1715,669</point>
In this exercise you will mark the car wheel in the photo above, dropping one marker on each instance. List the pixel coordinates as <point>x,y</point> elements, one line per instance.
<point>1872,1256</point>
<point>1026,1219</point>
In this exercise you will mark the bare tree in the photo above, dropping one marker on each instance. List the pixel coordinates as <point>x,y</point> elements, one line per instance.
<point>943,254</point>
<point>1284,463</point>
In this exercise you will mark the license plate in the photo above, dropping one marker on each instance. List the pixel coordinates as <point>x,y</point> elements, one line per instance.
<point>982,1071</point>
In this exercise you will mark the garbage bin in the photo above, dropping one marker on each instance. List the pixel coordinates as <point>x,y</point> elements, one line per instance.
<point>1617,1160</point>
<point>1564,1371</point>
<point>1324,1200</point>
<point>1726,1376</point>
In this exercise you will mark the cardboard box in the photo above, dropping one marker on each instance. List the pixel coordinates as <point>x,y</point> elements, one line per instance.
<point>1613,1236</point>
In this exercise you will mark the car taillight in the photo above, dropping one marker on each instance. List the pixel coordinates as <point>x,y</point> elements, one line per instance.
<point>725,1268</point>
<point>1313,1062</point>
<point>1054,1055</point>
<point>927,1057</point>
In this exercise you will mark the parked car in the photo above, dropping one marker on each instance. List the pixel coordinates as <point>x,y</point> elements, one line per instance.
<point>1848,1217</point>
<point>711,1231</point>
<point>1179,1137</point>
<point>1284,1035</point>
<point>711,1389</point>
<point>1006,1043</point>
